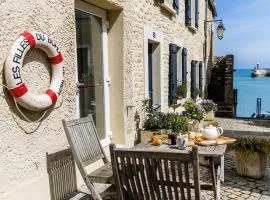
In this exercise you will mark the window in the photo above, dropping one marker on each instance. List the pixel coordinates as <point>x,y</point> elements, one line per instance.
<point>171,6</point>
<point>192,13</point>
<point>201,77</point>
<point>193,79</point>
<point>196,79</point>
<point>177,70</point>
<point>154,88</point>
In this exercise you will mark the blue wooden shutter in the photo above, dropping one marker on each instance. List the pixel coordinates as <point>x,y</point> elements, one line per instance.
<point>184,66</point>
<point>176,6</point>
<point>173,74</point>
<point>200,78</point>
<point>193,79</point>
<point>196,13</point>
<point>188,12</point>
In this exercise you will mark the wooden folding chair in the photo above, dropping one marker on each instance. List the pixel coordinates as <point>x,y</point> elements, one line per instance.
<point>86,148</point>
<point>62,175</point>
<point>155,175</point>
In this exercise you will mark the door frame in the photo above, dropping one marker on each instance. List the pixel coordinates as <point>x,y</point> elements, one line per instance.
<point>93,10</point>
<point>154,36</point>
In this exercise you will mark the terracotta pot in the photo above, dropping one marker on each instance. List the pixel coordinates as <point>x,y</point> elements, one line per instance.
<point>209,115</point>
<point>250,164</point>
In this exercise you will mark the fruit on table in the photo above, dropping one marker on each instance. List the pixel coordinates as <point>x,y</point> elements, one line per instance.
<point>164,137</point>
<point>154,137</point>
<point>157,142</point>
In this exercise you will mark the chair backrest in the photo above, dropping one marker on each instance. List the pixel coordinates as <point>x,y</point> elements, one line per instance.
<point>62,174</point>
<point>84,142</point>
<point>146,174</point>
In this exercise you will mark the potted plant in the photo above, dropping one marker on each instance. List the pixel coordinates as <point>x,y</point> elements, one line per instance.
<point>193,112</point>
<point>181,91</point>
<point>198,92</point>
<point>251,156</point>
<point>210,108</point>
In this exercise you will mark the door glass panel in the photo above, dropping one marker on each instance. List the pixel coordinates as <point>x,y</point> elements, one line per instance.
<point>90,68</point>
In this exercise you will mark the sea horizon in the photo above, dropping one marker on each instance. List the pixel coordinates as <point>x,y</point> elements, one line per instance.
<point>249,89</point>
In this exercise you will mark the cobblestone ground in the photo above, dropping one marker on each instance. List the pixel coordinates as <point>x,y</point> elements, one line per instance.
<point>237,187</point>
<point>234,187</point>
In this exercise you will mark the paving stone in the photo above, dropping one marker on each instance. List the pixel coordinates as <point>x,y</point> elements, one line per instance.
<point>233,196</point>
<point>264,197</point>
<point>245,196</point>
<point>255,194</point>
<point>266,193</point>
<point>245,191</point>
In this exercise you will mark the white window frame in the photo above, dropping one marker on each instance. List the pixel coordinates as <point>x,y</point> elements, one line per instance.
<point>168,5</point>
<point>93,10</point>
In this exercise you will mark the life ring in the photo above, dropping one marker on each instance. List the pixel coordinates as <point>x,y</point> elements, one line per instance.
<point>13,66</point>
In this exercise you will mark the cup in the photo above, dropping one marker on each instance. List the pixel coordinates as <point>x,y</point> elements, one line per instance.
<point>182,141</point>
<point>172,139</point>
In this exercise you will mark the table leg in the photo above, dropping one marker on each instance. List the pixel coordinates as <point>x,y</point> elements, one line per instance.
<point>218,182</point>
<point>213,176</point>
<point>222,169</point>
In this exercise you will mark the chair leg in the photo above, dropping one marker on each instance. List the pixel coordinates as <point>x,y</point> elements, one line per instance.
<point>94,193</point>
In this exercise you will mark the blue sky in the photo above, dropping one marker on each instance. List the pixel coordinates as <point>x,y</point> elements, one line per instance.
<point>247,34</point>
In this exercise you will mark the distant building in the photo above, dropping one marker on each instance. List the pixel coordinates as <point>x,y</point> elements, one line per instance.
<point>116,53</point>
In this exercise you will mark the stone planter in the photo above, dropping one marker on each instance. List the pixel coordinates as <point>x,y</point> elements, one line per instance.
<point>209,115</point>
<point>250,164</point>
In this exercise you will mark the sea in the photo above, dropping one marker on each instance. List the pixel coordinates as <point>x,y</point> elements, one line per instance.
<point>249,89</point>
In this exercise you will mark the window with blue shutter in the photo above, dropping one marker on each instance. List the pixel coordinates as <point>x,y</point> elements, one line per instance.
<point>193,79</point>
<point>196,13</point>
<point>201,78</point>
<point>188,12</point>
<point>184,66</point>
<point>176,6</point>
<point>173,74</point>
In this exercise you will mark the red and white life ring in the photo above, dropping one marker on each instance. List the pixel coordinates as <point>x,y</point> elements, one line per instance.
<point>13,67</point>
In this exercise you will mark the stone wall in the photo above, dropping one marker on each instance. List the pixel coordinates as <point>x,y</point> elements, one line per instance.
<point>173,28</point>
<point>220,88</point>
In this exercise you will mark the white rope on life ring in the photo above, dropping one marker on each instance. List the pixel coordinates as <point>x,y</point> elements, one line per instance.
<point>13,66</point>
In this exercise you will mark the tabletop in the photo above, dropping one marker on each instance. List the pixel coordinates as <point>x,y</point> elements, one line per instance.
<point>211,151</point>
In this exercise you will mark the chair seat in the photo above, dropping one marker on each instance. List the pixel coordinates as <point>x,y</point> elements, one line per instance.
<point>103,174</point>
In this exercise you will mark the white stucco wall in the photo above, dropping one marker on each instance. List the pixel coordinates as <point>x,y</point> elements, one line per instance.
<point>22,155</point>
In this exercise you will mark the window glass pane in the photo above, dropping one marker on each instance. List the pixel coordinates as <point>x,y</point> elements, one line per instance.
<point>90,67</point>
<point>193,9</point>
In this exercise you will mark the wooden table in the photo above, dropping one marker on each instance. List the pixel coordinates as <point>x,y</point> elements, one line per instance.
<point>210,152</point>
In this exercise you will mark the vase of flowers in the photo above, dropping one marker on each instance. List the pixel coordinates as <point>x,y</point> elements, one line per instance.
<point>210,108</point>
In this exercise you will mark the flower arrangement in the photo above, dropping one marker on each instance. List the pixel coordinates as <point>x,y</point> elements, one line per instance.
<point>193,110</point>
<point>208,105</point>
<point>181,91</point>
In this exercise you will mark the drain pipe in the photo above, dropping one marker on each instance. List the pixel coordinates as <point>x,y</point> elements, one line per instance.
<point>205,47</point>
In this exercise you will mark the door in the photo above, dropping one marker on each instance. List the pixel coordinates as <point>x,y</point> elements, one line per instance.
<point>92,67</point>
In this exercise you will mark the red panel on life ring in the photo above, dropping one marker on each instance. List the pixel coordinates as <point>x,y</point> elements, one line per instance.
<point>52,95</point>
<point>56,59</point>
<point>30,38</point>
<point>18,91</point>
